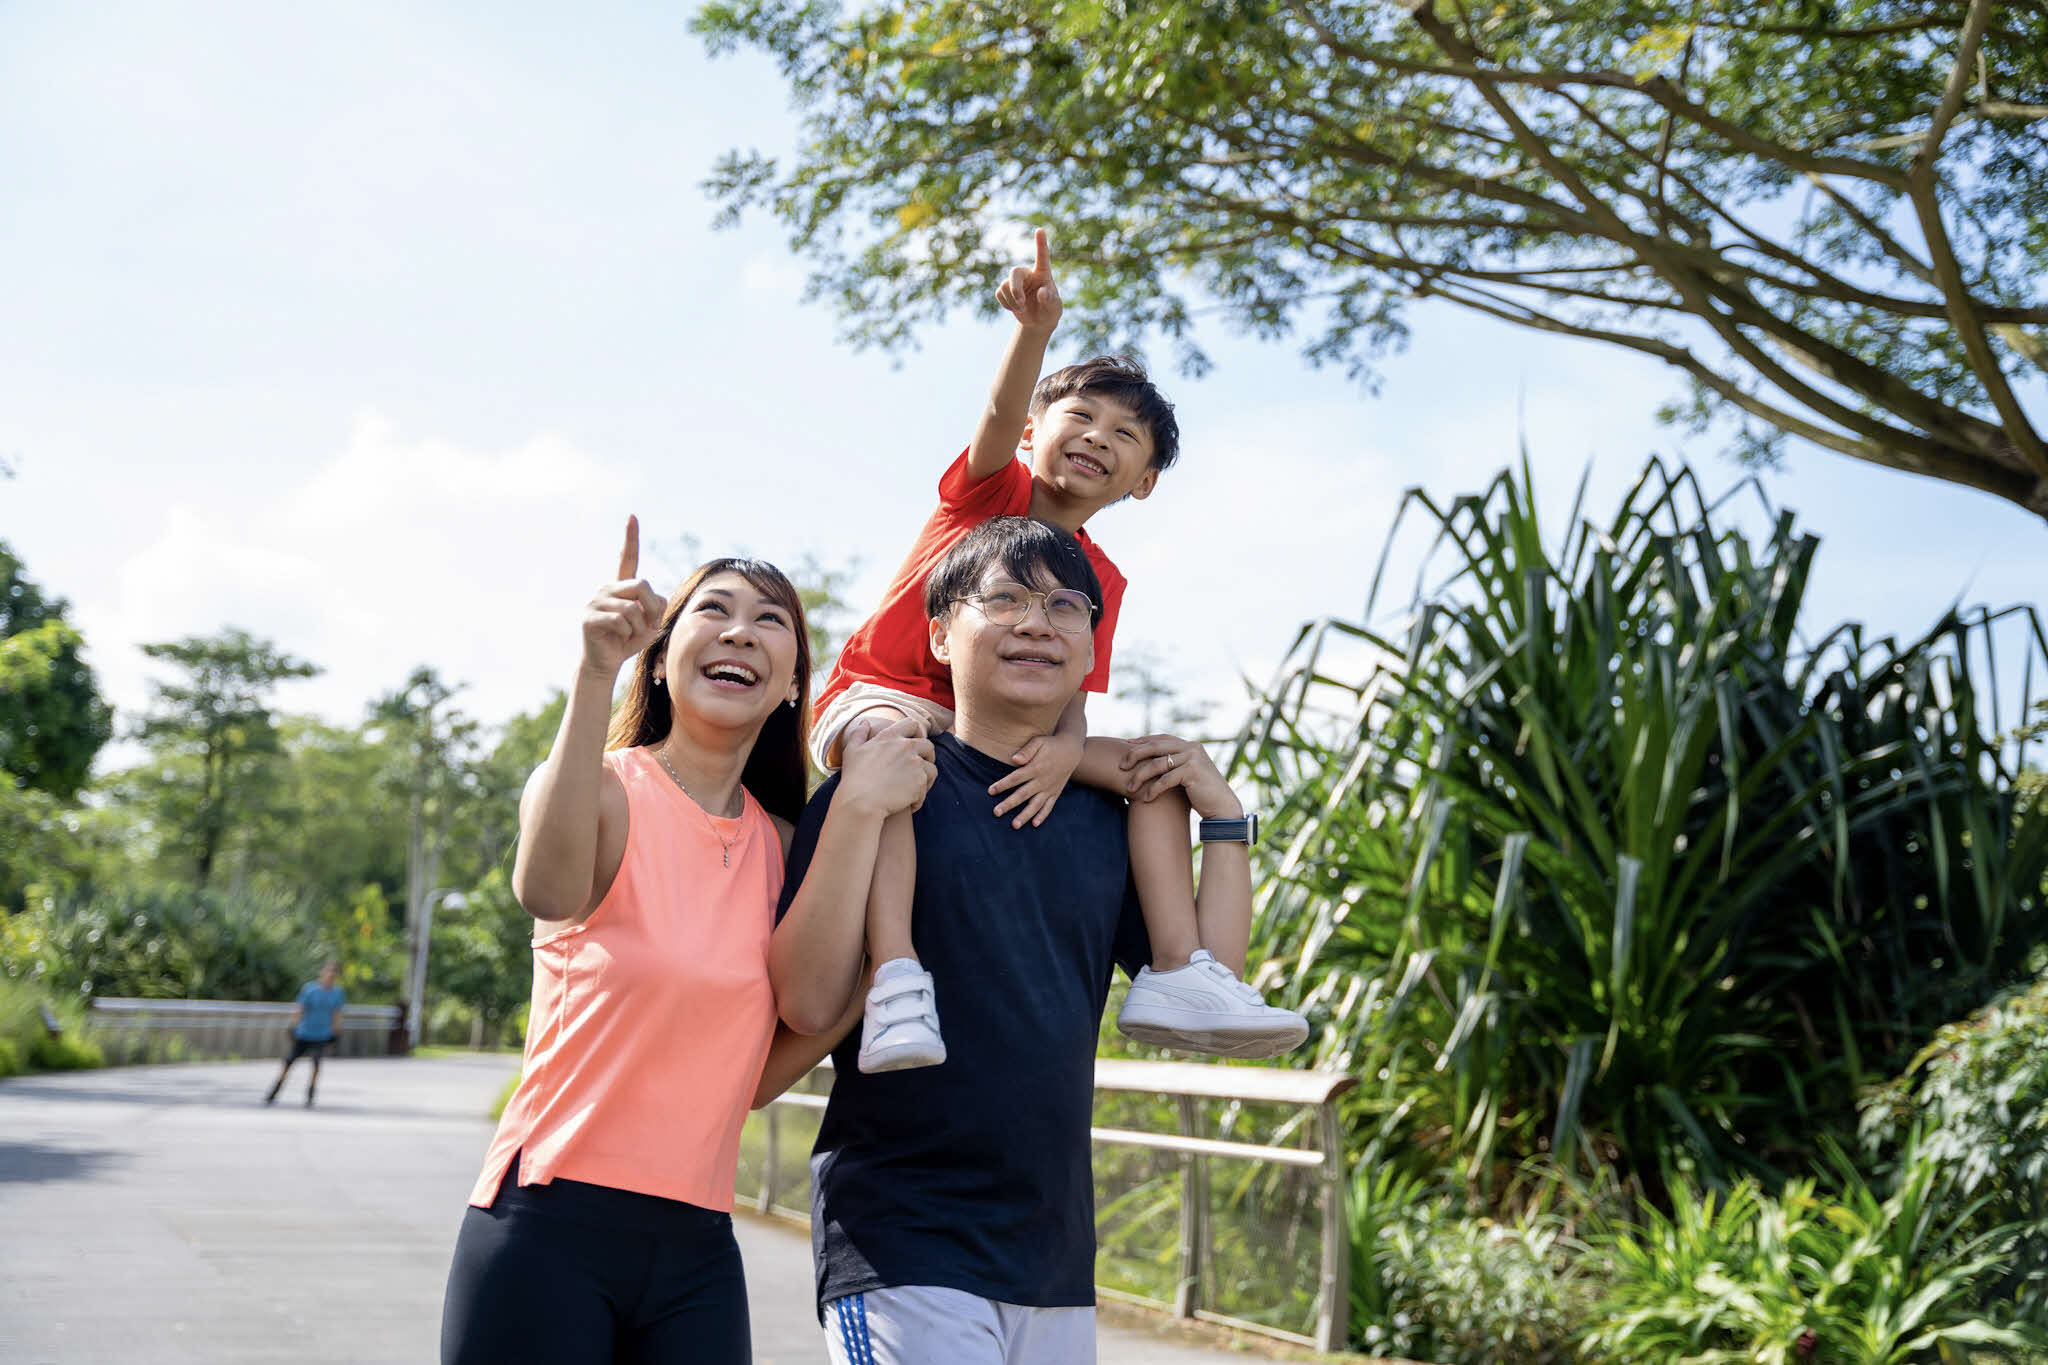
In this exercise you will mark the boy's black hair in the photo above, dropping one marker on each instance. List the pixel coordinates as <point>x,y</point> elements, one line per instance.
<point>1029,551</point>
<point>1124,379</point>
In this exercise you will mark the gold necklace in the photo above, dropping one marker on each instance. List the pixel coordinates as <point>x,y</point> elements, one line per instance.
<point>725,844</point>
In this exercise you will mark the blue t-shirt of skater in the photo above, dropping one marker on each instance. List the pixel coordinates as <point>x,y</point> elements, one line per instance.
<point>320,1004</point>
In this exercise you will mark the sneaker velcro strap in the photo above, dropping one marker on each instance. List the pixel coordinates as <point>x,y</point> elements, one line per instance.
<point>898,986</point>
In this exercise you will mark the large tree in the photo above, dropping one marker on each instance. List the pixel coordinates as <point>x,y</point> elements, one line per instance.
<point>1832,218</point>
<point>214,726</point>
<point>52,720</point>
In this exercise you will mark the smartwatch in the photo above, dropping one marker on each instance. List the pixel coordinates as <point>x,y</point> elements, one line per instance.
<point>1244,830</point>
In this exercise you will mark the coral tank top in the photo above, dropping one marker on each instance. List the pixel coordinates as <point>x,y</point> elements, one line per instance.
<point>651,1019</point>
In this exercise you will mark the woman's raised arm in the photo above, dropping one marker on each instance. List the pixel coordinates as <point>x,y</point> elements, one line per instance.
<point>554,871</point>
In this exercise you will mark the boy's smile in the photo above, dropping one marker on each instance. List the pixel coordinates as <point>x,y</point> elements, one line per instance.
<point>1088,450</point>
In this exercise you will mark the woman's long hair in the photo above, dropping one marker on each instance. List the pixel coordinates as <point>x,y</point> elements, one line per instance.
<point>778,766</point>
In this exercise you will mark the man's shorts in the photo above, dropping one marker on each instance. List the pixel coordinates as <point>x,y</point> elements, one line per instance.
<point>924,1325</point>
<point>856,701</point>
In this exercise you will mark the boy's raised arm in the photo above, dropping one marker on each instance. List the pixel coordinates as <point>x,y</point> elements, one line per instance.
<point>1033,299</point>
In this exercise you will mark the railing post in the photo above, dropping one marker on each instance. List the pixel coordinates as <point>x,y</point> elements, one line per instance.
<point>1194,1216</point>
<point>1334,1297</point>
<point>771,1164</point>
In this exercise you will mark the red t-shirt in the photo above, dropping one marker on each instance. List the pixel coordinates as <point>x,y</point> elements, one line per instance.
<point>892,648</point>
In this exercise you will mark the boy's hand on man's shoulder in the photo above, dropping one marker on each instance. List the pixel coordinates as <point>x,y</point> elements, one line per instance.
<point>1045,765</point>
<point>1030,294</point>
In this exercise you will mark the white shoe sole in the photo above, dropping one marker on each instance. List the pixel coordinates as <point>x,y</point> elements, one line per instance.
<point>907,1058</point>
<point>1197,1032</point>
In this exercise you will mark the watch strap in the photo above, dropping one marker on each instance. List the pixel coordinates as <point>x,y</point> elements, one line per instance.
<point>1241,830</point>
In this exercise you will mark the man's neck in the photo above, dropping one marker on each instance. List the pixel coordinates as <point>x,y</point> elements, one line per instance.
<point>1000,735</point>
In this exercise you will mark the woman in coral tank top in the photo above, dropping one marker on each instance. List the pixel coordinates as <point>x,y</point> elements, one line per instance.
<point>650,857</point>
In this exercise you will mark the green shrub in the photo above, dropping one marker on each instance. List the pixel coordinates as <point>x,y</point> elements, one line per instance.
<point>1847,1278</point>
<point>25,1041</point>
<point>163,943</point>
<point>65,1053</point>
<point>1974,1104</point>
<point>1594,859</point>
<point>1430,1282</point>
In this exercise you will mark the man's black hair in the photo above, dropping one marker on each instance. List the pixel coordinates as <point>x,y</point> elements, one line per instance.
<point>1124,379</point>
<point>1029,552</point>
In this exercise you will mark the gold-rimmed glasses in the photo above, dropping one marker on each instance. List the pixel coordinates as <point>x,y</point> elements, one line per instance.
<point>1005,604</point>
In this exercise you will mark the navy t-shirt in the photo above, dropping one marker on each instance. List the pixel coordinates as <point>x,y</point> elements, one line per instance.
<point>975,1174</point>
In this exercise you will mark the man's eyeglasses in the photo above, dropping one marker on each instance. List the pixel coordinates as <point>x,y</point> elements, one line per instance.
<point>1005,604</point>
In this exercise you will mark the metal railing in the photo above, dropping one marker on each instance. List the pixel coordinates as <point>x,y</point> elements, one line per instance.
<point>1310,1094</point>
<point>147,1029</point>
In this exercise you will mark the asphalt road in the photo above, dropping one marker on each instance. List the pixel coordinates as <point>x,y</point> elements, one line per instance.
<point>165,1215</point>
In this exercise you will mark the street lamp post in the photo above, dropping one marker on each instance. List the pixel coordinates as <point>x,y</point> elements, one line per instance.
<point>416,967</point>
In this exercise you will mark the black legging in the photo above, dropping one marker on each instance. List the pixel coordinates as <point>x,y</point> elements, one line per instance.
<point>567,1273</point>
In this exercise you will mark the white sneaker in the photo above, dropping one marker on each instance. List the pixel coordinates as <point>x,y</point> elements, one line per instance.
<point>899,1028</point>
<point>1203,1007</point>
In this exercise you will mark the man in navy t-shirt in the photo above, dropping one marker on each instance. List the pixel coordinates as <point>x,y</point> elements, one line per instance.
<point>953,1206</point>
<point>314,1027</point>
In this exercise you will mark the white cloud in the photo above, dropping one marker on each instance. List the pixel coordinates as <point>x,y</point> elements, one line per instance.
<point>397,551</point>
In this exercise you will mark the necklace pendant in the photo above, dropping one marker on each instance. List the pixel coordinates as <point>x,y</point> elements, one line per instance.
<point>725,855</point>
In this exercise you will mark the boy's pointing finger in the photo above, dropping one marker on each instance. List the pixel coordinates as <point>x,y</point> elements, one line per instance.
<point>1044,252</point>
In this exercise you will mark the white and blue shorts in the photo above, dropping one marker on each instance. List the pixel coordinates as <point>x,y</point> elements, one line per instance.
<point>925,1325</point>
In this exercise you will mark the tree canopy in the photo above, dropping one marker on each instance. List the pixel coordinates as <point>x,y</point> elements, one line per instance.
<point>1826,214</point>
<point>52,720</point>
<point>217,718</point>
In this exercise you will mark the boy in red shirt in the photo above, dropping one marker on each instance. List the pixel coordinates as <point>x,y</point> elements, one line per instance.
<point>1088,435</point>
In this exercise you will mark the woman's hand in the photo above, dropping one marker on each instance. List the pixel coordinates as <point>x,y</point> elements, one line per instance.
<point>625,616</point>
<point>889,771</point>
<point>1158,763</point>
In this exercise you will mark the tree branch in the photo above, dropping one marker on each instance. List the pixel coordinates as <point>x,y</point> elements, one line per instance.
<point>1948,272</point>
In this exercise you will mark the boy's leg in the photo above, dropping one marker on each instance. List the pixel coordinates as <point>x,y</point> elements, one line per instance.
<point>313,1081</point>
<point>1162,856</point>
<point>1162,865</point>
<point>889,894</point>
<point>1187,1000</point>
<point>900,1024</point>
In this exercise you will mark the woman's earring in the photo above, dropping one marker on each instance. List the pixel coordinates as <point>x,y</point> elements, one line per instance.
<point>792,703</point>
<point>660,681</point>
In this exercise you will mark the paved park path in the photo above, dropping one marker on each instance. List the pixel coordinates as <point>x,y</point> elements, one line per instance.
<point>164,1215</point>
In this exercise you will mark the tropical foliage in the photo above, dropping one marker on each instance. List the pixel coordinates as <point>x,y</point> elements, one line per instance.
<point>1853,1277</point>
<point>1593,856</point>
<point>1973,1105</point>
<point>52,720</point>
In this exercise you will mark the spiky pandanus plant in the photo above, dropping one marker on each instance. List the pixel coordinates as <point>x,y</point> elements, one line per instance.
<point>1593,856</point>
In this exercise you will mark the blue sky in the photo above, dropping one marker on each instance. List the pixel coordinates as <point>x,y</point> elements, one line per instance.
<point>364,327</point>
